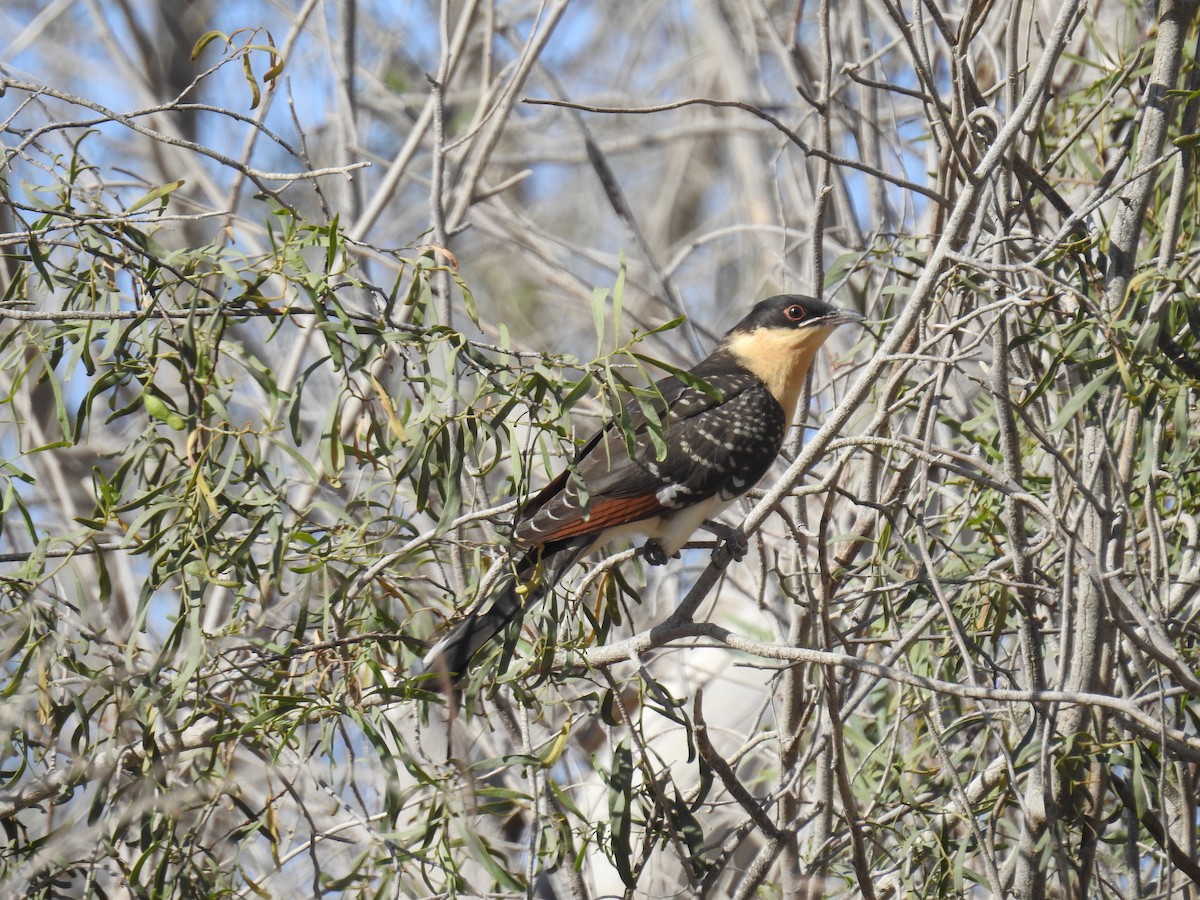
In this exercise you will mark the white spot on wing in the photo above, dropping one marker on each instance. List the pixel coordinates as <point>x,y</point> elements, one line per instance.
<point>673,495</point>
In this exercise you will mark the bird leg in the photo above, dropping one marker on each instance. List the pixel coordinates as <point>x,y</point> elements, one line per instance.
<point>732,544</point>
<point>654,553</point>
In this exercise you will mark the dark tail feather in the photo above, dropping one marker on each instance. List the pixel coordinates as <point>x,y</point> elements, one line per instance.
<point>510,598</point>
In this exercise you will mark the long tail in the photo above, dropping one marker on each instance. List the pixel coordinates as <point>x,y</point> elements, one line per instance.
<point>515,593</point>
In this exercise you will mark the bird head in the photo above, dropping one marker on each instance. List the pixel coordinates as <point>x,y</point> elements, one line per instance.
<point>779,339</point>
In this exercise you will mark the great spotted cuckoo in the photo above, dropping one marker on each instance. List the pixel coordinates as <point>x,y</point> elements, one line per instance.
<point>718,443</point>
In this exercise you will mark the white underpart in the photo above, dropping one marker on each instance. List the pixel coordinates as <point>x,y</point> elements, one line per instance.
<point>671,530</point>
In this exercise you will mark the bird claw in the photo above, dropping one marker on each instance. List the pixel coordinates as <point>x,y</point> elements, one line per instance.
<point>732,544</point>
<point>654,553</point>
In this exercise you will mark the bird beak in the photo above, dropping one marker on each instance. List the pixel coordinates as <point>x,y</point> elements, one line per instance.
<point>838,317</point>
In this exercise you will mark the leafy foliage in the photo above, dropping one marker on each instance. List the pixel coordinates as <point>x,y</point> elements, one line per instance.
<point>261,440</point>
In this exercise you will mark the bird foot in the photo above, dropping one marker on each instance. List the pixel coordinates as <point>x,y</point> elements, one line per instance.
<point>654,553</point>
<point>732,544</point>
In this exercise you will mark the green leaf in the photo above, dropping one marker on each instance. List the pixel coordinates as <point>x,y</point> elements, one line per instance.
<point>255,92</point>
<point>159,193</point>
<point>686,826</point>
<point>468,298</point>
<point>599,302</point>
<point>668,325</point>
<point>207,38</point>
<point>620,811</point>
<point>683,375</point>
<point>618,298</point>
<point>482,854</point>
<point>578,390</point>
<point>842,266</point>
<point>1079,399</point>
<point>60,409</point>
<point>553,751</point>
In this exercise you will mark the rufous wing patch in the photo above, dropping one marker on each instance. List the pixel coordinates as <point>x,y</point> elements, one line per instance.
<point>603,513</point>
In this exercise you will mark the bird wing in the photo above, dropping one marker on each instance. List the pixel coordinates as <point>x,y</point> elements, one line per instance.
<point>713,445</point>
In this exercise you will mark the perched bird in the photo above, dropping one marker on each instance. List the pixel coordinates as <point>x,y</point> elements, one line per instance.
<point>719,443</point>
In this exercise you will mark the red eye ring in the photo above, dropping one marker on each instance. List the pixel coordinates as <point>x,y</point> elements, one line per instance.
<point>795,312</point>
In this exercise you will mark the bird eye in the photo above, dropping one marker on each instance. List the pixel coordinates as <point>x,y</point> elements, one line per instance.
<point>795,312</point>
